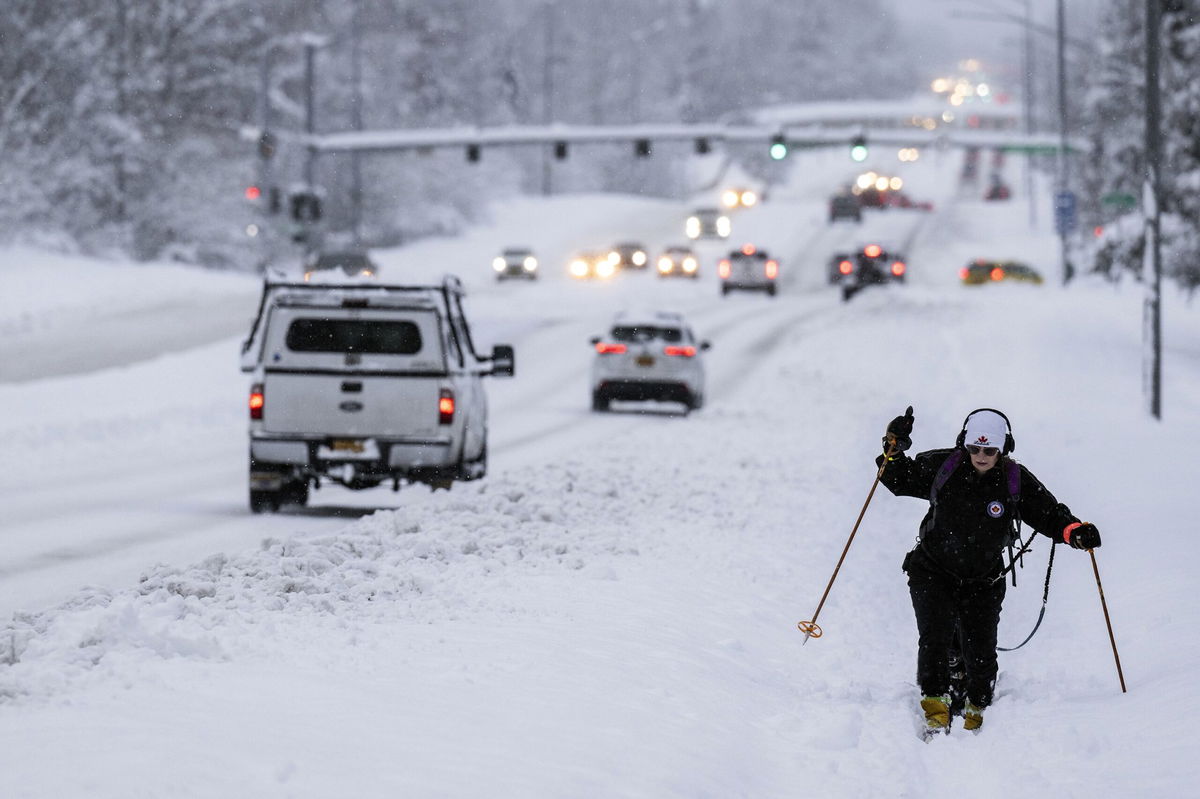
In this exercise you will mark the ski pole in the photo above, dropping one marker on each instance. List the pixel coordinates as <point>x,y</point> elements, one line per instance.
<point>1107,621</point>
<point>810,628</point>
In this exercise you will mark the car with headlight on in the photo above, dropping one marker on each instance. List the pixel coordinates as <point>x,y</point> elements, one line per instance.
<point>592,265</point>
<point>739,198</point>
<point>648,356</point>
<point>871,264</point>
<point>748,269</point>
<point>708,223</point>
<point>630,255</point>
<point>678,262</point>
<point>516,262</point>
<point>339,265</point>
<point>982,271</point>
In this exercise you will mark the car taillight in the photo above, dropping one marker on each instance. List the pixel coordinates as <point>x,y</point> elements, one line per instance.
<point>962,273</point>
<point>845,267</point>
<point>609,349</point>
<point>997,273</point>
<point>446,406</point>
<point>772,268</point>
<point>872,250</point>
<point>898,268</point>
<point>682,352</point>
<point>257,401</point>
<point>724,268</point>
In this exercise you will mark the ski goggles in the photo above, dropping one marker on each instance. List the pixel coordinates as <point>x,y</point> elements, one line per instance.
<point>989,451</point>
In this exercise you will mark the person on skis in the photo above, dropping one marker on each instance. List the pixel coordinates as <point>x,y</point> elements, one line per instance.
<point>977,498</point>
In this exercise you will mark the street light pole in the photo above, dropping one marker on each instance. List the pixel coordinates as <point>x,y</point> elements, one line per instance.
<point>548,96</point>
<point>1027,90</point>
<point>1151,192</point>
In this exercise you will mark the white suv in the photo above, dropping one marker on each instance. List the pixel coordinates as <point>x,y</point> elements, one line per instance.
<point>648,356</point>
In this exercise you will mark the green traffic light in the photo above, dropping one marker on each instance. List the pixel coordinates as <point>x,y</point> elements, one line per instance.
<point>858,152</point>
<point>779,151</point>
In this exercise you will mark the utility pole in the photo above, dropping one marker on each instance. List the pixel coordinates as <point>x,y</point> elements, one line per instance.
<point>548,96</point>
<point>1027,90</point>
<point>1151,192</point>
<point>1063,167</point>
<point>356,104</point>
<point>310,112</point>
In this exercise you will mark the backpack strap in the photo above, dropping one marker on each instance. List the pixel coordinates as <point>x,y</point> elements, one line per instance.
<point>947,468</point>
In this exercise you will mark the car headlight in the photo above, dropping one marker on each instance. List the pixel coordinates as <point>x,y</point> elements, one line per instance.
<point>665,264</point>
<point>723,226</point>
<point>689,264</point>
<point>639,258</point>
<point>605,268</point>
<point>579,268</point>
<point>729,199</point>
<point>498,264</point>
<point>530,264</point>
<point>693,227</point>
<point>749,198</point>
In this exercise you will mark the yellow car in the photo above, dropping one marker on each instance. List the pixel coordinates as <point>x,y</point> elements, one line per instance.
<point>982,271</point>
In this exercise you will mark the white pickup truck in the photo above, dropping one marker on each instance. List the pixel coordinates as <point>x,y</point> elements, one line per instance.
<point>364,383</point>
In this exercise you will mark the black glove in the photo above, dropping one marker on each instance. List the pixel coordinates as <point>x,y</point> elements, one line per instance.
<point>1082,536</point>
<point>898,430</point>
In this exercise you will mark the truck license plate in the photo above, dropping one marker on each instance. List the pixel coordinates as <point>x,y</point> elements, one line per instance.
<point>354,445</point>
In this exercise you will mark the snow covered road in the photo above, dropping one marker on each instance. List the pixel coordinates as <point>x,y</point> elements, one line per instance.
<point>612,611</point>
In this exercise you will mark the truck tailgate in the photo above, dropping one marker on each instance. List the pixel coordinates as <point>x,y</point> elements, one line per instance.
<point>361,405</point>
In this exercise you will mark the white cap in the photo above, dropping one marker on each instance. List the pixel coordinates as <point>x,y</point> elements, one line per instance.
<point>985,429</point>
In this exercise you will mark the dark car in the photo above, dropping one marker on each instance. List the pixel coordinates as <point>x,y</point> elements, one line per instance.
<point>351,263</point>
<point>630,255</point>
<point>870,265</point>
<point>844,206</point>
<point>983,271</point>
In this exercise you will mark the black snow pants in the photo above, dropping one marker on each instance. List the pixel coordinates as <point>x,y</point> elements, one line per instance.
<point>948,608</point>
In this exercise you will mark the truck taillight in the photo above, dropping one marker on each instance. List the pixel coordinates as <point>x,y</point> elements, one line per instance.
<point>682,352</point>
<point>446,406</point>
<point>723,268</point>
<point>772,269</point>
<point>257,400</point>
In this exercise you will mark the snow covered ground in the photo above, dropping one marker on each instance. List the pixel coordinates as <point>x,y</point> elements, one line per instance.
<point>612,612</point>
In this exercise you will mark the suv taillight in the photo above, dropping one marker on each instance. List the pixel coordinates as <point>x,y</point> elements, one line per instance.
<point>898,268</point>
<point>683,352</point>
<point>723,268</point>
<point>772,269</point>
<point>609,349</point>
<point>446,406</point>
<point>257,400</point>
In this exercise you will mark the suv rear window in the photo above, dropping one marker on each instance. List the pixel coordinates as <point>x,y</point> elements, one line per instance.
<point>378,337</point>
<point>647,333</point>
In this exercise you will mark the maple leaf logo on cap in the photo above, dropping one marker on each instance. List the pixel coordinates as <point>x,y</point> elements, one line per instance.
<point>982,440</point>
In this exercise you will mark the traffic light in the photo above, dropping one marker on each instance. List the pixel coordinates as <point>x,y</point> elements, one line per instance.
<point>702,146</point>
<point>560,150</point>
<point>858,148</point>
<point>779,147</point>
<point>641,148</point>
<point>253,193</point>
<point>472,152</point>
<point>267,145</point>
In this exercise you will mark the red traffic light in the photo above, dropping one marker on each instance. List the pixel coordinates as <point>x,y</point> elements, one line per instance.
<point>253,192</point>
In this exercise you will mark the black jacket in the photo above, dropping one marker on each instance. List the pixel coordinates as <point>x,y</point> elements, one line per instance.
<point>967,529</point>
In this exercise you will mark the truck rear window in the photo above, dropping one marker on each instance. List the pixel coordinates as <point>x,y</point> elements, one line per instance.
<point>354,335</point>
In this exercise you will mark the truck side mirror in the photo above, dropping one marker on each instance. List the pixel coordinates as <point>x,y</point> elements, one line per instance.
<point>503,360</point>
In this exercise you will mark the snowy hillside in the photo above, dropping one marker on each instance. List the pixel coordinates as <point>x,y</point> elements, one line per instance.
<point>612,611</point>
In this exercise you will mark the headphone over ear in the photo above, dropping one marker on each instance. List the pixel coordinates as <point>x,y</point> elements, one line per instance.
<point>1009,443</point>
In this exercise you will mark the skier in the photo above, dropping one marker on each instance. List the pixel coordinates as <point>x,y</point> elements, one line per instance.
<point>956,570</point>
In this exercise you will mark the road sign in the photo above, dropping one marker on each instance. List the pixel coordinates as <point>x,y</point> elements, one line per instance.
<point>1065,217</point>
<point>1121,200</point>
